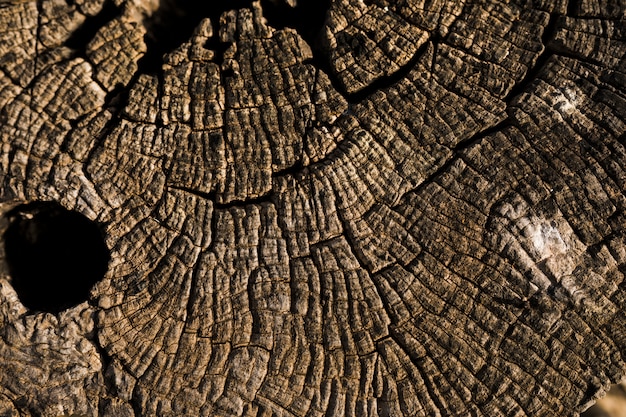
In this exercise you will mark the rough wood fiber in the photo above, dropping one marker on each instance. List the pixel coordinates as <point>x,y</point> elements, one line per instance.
<point>431,223</point>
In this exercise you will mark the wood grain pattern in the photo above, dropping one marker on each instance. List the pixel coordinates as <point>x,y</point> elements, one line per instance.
<point>422,213</point>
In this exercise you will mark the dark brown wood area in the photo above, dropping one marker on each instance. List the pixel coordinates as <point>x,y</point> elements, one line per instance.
<point>395,208</point>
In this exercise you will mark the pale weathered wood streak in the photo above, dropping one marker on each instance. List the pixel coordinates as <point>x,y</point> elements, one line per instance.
<point>431,223</point>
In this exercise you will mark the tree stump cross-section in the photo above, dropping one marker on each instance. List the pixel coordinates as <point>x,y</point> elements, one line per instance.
<point>342,208</point>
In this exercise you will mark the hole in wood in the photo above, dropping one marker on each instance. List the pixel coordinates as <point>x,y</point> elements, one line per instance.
<point>54,255</point>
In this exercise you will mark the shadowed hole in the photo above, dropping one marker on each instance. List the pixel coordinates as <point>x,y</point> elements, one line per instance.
<point>54,255</point>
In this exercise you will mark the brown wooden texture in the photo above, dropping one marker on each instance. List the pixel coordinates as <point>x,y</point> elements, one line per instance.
<point>423,216</point>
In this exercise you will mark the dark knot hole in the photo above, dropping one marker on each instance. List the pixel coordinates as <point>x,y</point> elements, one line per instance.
<point>54,255</point>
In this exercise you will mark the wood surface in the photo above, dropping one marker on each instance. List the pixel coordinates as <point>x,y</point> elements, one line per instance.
<point>416,209</point>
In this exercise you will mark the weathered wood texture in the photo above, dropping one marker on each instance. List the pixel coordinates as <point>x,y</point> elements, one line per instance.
<point>431,223</point>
